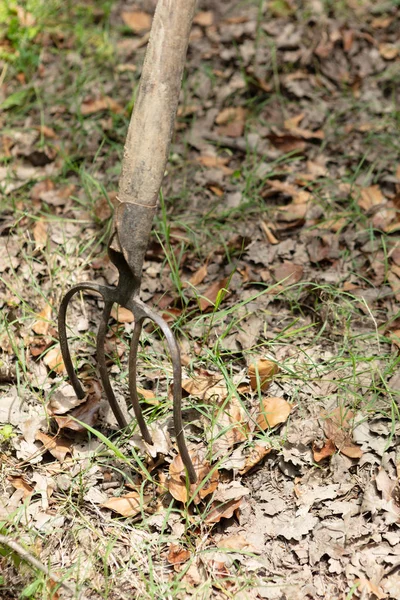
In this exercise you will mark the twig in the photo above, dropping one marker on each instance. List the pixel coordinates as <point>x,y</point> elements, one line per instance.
<point>28,557</point>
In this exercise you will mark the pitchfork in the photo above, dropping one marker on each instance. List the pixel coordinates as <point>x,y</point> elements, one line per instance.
<point>145,157</point>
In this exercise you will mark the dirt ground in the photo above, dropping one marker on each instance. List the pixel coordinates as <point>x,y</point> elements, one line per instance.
<point>275,258</point>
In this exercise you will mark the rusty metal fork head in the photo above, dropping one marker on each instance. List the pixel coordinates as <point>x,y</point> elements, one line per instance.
<point>126,253</point>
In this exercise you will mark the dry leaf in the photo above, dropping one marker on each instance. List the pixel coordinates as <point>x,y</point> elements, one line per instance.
<point>255,455</point>
<point>54,360</point>
<point>104,103</point>
<point>42,323</point>
<point>25,18</point>
<point>338,427</point>
<point>177,555</point>
<point>58,446</point>
<point>288,273</point>
<point>282,186</point>
<point>369,587</point>
<point>236,542</point>
<point>274,411</point>
<point>40,187</point>
<point>40,234</point>
<point>292,212</point>
<point>87,412</point>
<point>199,276</point>
<point>215,162</point>
<point>266,369</point>
<point>204,18</point>
<point>20,484</point>
<point>148,395</point>
<point>388,51</point>
<point>293,122</point>
<point>229,426</point>
<point>286,142</point>
<point>231,121</point>
<point>128,505</point>
<point>216,190</point>
<point>209,297</point>
<point>370,197</point>
<point>178,482</point>
<point>47,132</point>
<point>328,449</point>
<point>208,388</point>
<point>137,20</point>
<point>223,510</point>
<point>121,314</point>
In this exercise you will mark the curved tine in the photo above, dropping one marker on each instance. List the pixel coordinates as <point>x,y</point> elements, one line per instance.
<point>62,334</point>
<point>176,365</point>
<point>101,359</point>
<point>132,381</point>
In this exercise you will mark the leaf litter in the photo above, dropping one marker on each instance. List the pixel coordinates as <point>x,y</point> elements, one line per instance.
<point>296,454</point>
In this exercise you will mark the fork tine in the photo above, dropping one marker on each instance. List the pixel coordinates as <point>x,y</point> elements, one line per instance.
<point>177,390</point>
<point>101,359</point>
<point>132,381</point>
<point>64,346</point>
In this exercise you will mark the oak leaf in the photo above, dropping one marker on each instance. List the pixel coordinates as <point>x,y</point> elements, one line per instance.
<point>178,484</point>
<point>128,505</point>
<point>273,412</point>
<point>263,371</point>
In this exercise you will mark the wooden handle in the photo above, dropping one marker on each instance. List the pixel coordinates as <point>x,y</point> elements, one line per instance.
<point>153,117</point>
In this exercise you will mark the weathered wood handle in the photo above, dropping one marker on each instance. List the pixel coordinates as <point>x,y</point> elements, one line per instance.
<point>153,118</point>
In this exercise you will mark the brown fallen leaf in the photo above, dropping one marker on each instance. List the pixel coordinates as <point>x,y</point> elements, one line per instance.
<point>255,455</point>
<point>177,556</point>
<point>47,132</point>
<point>287,142</point>
<point>388,51</point>
<point>274,411</point>
<point>293,122</point>
<point>210,388</point>
<point>199,276</point>
<point>209,297</point>
<point>137,20</point>
<point>42,323</point>
<point>223,510</point>
<point>231,121</point>
<point>53,359</point>
<point>236,542</point>
<point>369,587</point>
<point>178,484</point>
<point>284,187</point>
<point>128,505</point>
<point>394,335</point>
<point>288,273</point>
<point>19,483</point>
<point>218,191</point>
<point>292,212</point>
<point>148,395</point>
<point>90,107</point>
<point>40,234</point>
<point>338,428</point>
<point>58,446</point>
<point>229,426</point>
<point>370,196</point>
<point>328,449</point>
<point>46,185</point>
<point>87,412</point>
<point>25,18</point>
<point>263,372</point>
<point>215,162</point>
<point>204,18</point>
<point>121,314</point>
